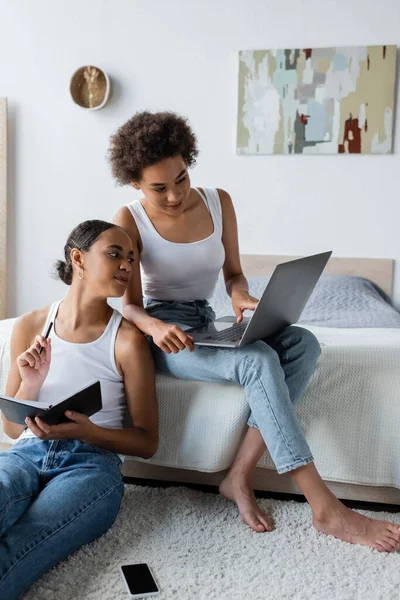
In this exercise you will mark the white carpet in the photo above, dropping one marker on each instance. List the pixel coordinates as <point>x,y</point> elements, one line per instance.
<point>199,549</point>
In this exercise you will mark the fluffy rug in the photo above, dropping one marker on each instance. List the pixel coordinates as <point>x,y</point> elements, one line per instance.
<point>199,549</point>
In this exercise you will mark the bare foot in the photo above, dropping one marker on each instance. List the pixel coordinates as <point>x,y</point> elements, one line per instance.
<point>349,526</point>
<point>238,490</point>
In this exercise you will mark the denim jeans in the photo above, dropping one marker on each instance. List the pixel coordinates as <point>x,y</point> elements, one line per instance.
<point>274,373</point>
<point>55,496</point>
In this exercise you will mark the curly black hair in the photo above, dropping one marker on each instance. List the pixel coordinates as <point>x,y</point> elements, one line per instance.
<point>146,139</point>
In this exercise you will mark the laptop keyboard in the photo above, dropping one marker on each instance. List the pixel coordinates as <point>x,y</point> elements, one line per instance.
<point>231,334</point>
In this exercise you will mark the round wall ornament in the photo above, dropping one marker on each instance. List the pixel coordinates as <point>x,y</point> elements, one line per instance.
<point>90,87</point>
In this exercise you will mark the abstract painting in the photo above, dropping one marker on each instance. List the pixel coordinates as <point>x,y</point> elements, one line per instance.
<point>316,101</point>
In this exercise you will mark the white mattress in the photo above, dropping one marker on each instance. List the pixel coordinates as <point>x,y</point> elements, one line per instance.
<point>350,412</point>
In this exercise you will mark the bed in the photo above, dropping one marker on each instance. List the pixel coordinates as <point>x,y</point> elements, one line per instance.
<point>350,412</point>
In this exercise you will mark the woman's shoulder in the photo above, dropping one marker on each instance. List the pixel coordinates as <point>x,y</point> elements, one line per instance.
<point>225,202</point>
<point>223,195</point>
<point>217,193</point>
<point>205,189</point>
<point>31,323</point>
<point>221,201</point>
<point>131,346</point>
<point>129,335</point>
<point>125,219</point>
<point>123,215</point>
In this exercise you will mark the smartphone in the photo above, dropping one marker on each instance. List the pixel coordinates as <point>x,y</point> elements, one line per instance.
<point>139,581</point>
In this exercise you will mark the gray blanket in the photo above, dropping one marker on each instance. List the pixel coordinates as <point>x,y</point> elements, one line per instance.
<point>337,301</point>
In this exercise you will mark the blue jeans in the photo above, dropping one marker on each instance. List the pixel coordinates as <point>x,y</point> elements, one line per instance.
<point>274,373</point>
<point>55,496</point>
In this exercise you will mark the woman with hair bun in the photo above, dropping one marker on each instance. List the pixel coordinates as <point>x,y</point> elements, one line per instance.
<point>61,485</point>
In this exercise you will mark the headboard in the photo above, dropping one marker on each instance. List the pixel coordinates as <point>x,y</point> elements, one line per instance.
<point>378,270</point>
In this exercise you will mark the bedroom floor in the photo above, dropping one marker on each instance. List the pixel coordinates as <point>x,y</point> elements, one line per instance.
<point>199,549</point>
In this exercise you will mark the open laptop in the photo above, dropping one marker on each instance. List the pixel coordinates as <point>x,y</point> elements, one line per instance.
<point>281,304</point>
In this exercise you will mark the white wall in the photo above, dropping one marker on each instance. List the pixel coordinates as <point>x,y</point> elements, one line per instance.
<point>179,55</point>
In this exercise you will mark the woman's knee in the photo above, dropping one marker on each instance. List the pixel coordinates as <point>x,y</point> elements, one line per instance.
<point>308,342</point>
<point>107,510</point>
<point>258,349</point>
<point>258,356</point>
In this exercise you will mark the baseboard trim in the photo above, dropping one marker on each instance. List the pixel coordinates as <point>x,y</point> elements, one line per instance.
<point>263,480</point>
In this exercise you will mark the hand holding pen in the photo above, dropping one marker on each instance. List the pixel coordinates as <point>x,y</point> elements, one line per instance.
<point>46,335</point>
<point>33,367</point>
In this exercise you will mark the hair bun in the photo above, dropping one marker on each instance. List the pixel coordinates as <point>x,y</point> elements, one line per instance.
<point>64,271</point>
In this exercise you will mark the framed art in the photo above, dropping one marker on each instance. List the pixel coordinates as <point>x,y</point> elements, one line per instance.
<point>316,101</point>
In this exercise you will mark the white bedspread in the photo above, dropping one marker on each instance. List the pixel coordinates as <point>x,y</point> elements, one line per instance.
<point>328,336</point>
<point>350,412</point>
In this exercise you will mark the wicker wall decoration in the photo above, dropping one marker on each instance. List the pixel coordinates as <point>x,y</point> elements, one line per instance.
<point>90,87</point>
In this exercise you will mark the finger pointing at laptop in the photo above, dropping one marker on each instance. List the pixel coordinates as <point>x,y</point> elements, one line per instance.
<point>241,301</point>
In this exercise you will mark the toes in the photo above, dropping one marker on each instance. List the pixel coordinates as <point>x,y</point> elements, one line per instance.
<point>385,544</point>
<point>395,529</point>
<point>378,547</point>
<point>257,526</point>
<point>259,522</point>
<point>390,539</point>
<point>265,519</point>
<point>268,523</point>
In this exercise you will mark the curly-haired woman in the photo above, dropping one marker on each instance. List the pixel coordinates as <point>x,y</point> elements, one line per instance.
<point>184,236</point>
<point>61,485</point>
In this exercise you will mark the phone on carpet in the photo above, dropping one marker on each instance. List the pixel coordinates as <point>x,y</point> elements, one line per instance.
<point>139,581</point>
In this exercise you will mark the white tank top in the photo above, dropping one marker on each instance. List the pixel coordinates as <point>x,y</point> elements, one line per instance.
<point>73,366</point>
<point>180,271</point>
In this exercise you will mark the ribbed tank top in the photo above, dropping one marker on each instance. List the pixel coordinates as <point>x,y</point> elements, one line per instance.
<point>73,366</point>
<point>180,271</point>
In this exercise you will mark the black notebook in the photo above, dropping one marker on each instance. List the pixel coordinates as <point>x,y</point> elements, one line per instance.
<point>86,401</point>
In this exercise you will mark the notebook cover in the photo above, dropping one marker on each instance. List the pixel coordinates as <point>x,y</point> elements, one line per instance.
<point>86,401</point>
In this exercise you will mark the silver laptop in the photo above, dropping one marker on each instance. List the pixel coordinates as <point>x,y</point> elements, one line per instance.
<point>281,304</point>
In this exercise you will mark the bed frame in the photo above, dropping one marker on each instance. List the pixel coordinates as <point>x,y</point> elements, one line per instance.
<point>380,271</point>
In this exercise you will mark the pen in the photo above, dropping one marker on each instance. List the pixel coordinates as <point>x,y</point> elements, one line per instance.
<point>47,335</point>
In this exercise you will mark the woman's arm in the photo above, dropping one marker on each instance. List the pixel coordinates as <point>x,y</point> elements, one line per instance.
<point>23,333</point>
<point>235,281</point>
<point>133,358</point>
<point>170,338</point>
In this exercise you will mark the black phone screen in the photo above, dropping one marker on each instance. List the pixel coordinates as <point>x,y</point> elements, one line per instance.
<point>139,579</point>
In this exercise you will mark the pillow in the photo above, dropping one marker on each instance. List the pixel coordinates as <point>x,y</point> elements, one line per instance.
<point>337,301</point>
